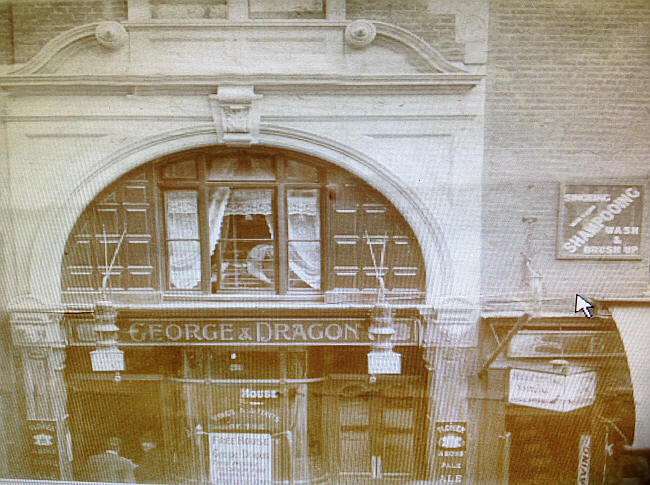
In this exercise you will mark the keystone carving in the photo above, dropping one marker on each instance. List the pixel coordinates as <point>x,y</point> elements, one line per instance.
<point>236,115</point>
<point>111,35</point>
<point>360,33</point>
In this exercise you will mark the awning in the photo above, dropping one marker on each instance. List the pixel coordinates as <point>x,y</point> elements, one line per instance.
<point>633,321</point>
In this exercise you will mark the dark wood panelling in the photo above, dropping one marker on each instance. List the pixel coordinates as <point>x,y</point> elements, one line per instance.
<point>127,205</point>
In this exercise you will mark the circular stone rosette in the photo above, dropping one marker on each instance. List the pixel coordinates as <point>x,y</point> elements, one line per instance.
<point>111,35</point>
<point>360,33</point>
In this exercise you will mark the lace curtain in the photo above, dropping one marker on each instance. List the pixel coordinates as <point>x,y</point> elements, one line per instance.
<point>304,235</point>
<point>184,249</point>
<point>182,223</point>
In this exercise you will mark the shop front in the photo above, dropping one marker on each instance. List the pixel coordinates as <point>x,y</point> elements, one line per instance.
<point>260,411</point>
<point>559,405</point>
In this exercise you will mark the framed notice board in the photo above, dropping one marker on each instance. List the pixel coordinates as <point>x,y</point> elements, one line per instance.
<point>600,221</point>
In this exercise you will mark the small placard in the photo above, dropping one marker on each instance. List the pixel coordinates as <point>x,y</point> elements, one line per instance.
<point>555,392</point>
<point>242,458</point>
<point>44,448</point>
<point>105,360</point>
<point>384,363</point>
<point>600,221</point>
<point>451,448</point>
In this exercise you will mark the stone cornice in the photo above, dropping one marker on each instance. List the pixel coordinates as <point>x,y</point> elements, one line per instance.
<point>203,84</point>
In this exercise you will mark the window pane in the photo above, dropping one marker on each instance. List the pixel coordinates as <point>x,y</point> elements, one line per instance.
<point>183,245</point>
<point>303,208</point>
<point>180,170</point>
<point>242,239</point>
<point>181,214</point>
<point>241,168</point>
<point>184,264</point>
<point>301,172</point>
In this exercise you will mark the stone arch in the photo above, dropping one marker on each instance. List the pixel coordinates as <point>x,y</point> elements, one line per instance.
<point>51,239</point>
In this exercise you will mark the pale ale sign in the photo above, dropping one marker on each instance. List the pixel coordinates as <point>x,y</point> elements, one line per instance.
<point>241,458</point>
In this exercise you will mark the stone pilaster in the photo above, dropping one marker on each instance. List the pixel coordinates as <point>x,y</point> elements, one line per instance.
<point>450,339</point>
<point>40,340</point>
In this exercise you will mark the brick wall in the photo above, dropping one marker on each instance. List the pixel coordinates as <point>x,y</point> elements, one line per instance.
<point>6,35</point>
<point>35,22</point>
<point>414,15</point>
<point>567,100</point>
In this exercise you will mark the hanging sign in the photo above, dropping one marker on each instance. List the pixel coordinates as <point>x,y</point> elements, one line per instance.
<point>107,360</point>
<point>451,447</point>
<point>565,343</point>
<point>44,448</point>
<point>384,362</point>
<point>555,392</point>
<point>242,458</point>
<point>600,221</point>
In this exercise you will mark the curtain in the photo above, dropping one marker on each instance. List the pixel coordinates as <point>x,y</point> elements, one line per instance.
<point>185,250</point>
<point>304,235</point>
<point>217,202</point>
<point>303,226</point>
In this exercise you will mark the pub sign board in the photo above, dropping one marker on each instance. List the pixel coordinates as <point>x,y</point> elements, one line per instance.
<point>44,448</point>
<point>451,452</point>
<point>600,221</point>
<point>244,331</point>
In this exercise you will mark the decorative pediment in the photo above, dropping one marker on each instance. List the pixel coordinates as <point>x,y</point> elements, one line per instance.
<point>312,52</point>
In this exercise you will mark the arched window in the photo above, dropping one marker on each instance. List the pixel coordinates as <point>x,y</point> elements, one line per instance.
<point>242,221</point>
<point>256,221</point>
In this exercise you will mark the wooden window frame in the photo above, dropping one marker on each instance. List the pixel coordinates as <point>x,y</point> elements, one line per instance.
<point>279,187</point>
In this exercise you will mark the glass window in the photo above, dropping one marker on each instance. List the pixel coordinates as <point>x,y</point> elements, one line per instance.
<point>241,238</point>
<point>183,242</point>
<point>242,167</point>
<point>303,222</point>
<point>250,223</point>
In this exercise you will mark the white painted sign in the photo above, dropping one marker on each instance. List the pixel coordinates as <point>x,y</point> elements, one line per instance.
<point>241,458</point>
<point>384,363</point>
<point>584,462</point>
<point>555,392</point>
<point>107,360</point>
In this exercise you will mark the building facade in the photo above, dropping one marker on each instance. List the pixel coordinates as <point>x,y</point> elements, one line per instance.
<point>326,242</point>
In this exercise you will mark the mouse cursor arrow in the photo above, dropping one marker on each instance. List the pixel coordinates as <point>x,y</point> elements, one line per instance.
<point>583,305</point>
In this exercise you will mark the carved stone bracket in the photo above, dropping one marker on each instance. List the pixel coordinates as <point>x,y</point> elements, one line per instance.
<point>453,323</point>
<point>236,115</point>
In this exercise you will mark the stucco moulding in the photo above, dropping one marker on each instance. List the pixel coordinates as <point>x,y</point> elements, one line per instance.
<point>165,54</point>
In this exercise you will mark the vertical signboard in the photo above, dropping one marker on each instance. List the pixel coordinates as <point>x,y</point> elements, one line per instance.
<point>584,459</point>
<point>242,458</point>
<point>451,452</point>
<point>600,221</point>
<point>44,448</point>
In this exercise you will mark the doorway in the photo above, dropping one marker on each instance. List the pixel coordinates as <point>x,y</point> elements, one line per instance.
<point>380,436</point>
<point>545,446</point>
<point>101,408</point>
